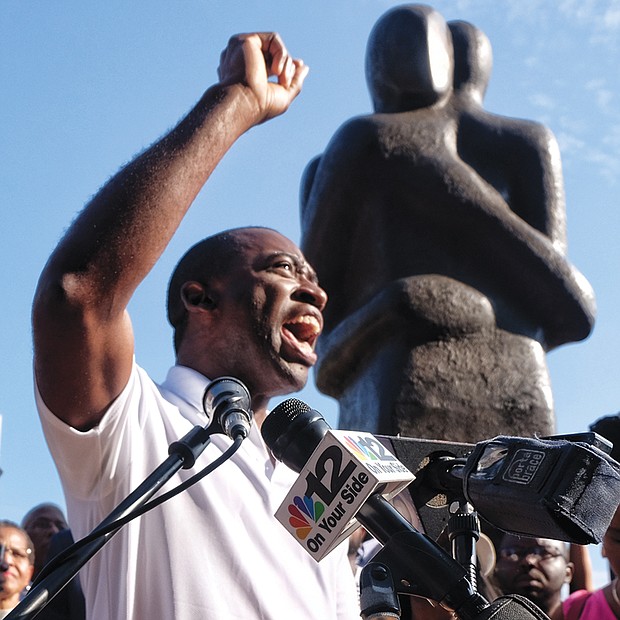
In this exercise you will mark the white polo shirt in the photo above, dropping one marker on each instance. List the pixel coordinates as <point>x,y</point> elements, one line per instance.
<point>213,552</point>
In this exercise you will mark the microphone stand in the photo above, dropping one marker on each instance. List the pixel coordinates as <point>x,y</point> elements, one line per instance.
<point>419,565</point>
<point>182,454</point>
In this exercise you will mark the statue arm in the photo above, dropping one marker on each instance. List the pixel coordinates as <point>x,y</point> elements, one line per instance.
<point>333,192</point>
<point>539,183</point>
<point>541,278</point>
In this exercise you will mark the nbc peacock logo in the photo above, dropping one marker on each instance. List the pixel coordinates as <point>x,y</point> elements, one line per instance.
<point>303,512</point>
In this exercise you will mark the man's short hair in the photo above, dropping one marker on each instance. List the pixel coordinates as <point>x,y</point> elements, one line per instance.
<point>609,427</point>
<point>210,258</point>
<point>38,508</point>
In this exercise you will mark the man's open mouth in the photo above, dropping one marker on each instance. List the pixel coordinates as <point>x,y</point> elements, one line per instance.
<point>301,333</point>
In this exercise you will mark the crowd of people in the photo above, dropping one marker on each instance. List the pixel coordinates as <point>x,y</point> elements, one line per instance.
<point>243,303</point>
<point>25,549</point>
<point>538,569</point>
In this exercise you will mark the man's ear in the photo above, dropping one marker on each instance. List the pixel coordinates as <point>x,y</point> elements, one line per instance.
<point>196,295</point>
<point>570,571</point>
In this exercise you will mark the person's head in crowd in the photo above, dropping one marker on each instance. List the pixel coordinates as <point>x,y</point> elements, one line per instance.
<point>41,523</point>
<point>609,427</point>
<point>17,557</point>
<point>611,543</point>
<point>535,568</point>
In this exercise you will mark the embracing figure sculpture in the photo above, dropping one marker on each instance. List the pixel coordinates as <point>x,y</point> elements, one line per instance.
<point>438,231</point>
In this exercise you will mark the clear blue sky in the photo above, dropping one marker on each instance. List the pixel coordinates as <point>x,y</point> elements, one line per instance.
<point>86,85</point>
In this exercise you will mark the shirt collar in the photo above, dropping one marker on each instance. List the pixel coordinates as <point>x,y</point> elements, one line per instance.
<point>187,386</point>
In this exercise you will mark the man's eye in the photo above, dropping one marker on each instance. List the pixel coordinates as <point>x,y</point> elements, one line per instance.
<point>285,265</point>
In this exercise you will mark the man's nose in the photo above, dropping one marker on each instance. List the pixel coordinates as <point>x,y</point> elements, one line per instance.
<point>529,558</point>
<point>311,293</point>
<point>4,556</point>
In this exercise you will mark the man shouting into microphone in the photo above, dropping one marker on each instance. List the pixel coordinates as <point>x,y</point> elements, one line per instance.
<point>243,303</point>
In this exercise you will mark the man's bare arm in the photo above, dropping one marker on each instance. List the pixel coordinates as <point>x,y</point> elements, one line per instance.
<point>83,338</point>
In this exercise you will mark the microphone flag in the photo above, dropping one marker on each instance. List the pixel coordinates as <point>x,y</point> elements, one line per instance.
<point>344,470</point>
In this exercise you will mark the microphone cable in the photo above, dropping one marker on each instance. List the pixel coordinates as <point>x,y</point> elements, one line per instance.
<point>59,559</point>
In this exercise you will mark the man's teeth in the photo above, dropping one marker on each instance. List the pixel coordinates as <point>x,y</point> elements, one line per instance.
<point>308,320</point>
<point>304,327</point>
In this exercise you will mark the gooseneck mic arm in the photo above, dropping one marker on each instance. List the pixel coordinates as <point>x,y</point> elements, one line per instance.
<point>227,410</point>
<point>183,453</point>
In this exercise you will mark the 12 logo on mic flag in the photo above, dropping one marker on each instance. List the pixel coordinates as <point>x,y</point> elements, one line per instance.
<point>343,471</point>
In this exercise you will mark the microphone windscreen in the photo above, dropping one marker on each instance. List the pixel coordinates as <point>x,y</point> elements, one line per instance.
<point>545,488</point>
<point>292,431</point>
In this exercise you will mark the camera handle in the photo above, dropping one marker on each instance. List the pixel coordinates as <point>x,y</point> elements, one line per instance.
<point>463,534</point>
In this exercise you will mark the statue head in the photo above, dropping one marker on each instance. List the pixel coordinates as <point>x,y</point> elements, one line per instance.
<point>409,63</point>
<point>473,59</point>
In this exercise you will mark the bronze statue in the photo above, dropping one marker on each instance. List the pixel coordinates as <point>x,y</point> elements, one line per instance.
<point>437,230</point>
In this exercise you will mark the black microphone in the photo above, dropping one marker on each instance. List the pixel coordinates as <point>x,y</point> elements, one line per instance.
<point>227,404</point>
<point>296,434</point>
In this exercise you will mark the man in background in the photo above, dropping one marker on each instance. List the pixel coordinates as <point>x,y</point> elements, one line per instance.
<point>42,523</point>
<point>535,568</point>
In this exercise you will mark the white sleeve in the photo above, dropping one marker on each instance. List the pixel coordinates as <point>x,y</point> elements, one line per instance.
<point>90,463</point>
